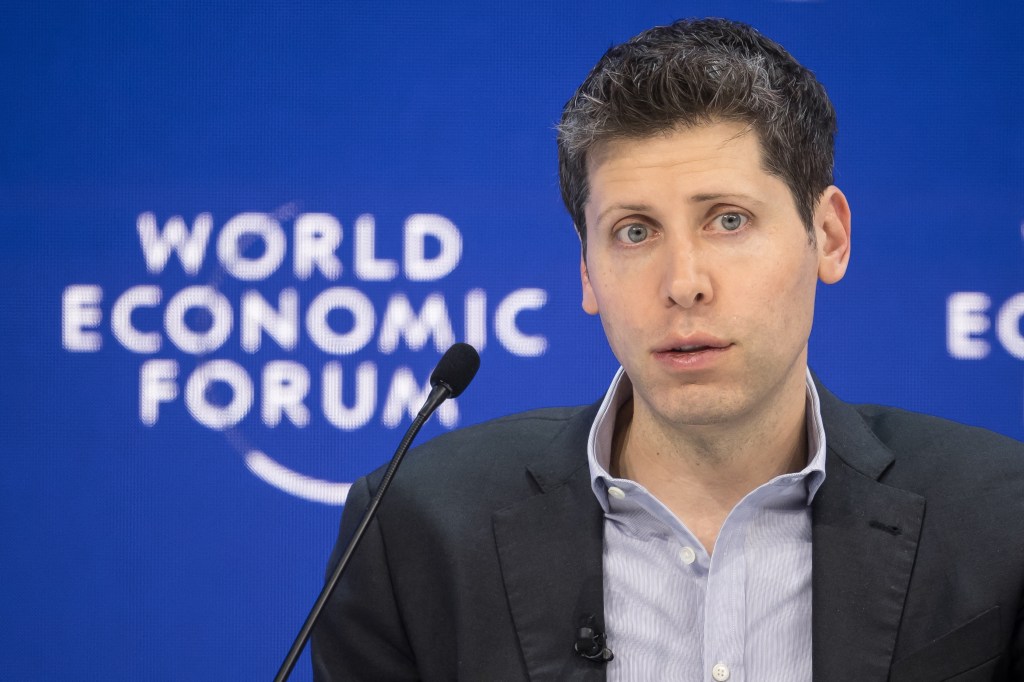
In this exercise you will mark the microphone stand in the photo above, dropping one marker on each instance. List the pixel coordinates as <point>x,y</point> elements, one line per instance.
<point>438,394</point>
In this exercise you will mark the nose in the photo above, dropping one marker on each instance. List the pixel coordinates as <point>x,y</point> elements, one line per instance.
<point>686,278</point>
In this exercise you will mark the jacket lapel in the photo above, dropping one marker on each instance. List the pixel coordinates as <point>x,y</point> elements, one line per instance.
<point>865,537</point>
<point>549,547</point>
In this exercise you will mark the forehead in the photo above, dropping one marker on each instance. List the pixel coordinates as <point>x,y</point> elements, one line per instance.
<point>680,145</point>
<point>714,159</point>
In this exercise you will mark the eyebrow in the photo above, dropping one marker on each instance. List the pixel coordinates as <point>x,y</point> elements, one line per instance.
<point>641,208</point>
<point>695,199</point>
<point>701,198</point>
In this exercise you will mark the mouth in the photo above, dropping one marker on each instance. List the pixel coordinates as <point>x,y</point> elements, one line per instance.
<point>692,353</point>
<point>691,348</point>
<point>694,346</point>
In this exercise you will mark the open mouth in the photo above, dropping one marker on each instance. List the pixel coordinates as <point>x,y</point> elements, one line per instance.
<point>692,355</point>
<point>694,348</point>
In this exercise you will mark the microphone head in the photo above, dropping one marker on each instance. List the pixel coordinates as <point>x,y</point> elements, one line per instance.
<point>456,368</point>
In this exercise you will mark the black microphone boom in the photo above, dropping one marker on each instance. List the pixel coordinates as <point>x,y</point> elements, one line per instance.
<point>449,379</point>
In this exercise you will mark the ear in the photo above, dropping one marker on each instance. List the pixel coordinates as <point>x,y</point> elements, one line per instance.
<point>589,299</point>
<point>832,231</point>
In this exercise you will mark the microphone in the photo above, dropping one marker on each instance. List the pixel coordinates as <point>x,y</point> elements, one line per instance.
<point>454,371</point>
<point>449,379</point>
<point>590,641</point>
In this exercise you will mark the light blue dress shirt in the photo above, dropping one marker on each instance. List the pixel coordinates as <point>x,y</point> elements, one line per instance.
<point>672,612</point>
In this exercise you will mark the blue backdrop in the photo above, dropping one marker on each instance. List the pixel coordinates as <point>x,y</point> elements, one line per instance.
<point>235,234</point>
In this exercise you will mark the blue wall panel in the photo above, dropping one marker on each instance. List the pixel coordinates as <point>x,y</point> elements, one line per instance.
<point>139,542</point>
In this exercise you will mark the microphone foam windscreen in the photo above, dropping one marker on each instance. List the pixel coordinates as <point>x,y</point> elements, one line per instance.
<point>456,368</point>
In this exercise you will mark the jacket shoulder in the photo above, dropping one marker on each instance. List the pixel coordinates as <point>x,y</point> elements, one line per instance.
<point>515,435</point>
<point>489,461</point>
<point>903,431</point>
<point>942,459</point>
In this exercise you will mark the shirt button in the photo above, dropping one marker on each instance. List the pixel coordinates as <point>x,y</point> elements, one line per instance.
<point>617,493</point>
<point>720,672</point>
<point>688,556</point>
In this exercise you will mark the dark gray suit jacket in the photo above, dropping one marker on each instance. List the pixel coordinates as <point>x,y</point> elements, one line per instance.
<point>487,552</point>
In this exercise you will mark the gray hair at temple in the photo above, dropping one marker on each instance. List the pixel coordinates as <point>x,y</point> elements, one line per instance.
<point>696,72</point>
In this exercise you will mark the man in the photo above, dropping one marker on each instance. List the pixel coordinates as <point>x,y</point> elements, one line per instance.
<point>719,515</point>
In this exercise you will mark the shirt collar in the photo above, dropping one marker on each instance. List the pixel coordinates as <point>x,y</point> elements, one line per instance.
<point>599,444</point>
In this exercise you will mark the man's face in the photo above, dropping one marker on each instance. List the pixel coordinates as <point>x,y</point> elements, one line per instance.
<point>703,273</point>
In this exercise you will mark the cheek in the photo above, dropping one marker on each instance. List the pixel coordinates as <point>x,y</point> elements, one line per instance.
<point>623,310</point>
<point>797,305</point>
<point>782,296</point>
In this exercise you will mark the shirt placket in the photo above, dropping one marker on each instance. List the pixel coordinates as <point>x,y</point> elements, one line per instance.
<point>725,611</point>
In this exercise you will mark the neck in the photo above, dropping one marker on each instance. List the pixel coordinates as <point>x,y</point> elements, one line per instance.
<point>701,472</point>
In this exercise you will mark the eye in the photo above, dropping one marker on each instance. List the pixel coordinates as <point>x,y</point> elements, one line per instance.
<point>633,234</point>
<point>730,222</point>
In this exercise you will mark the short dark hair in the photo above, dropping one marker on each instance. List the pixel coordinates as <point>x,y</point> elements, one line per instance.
<point>696,72</point>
